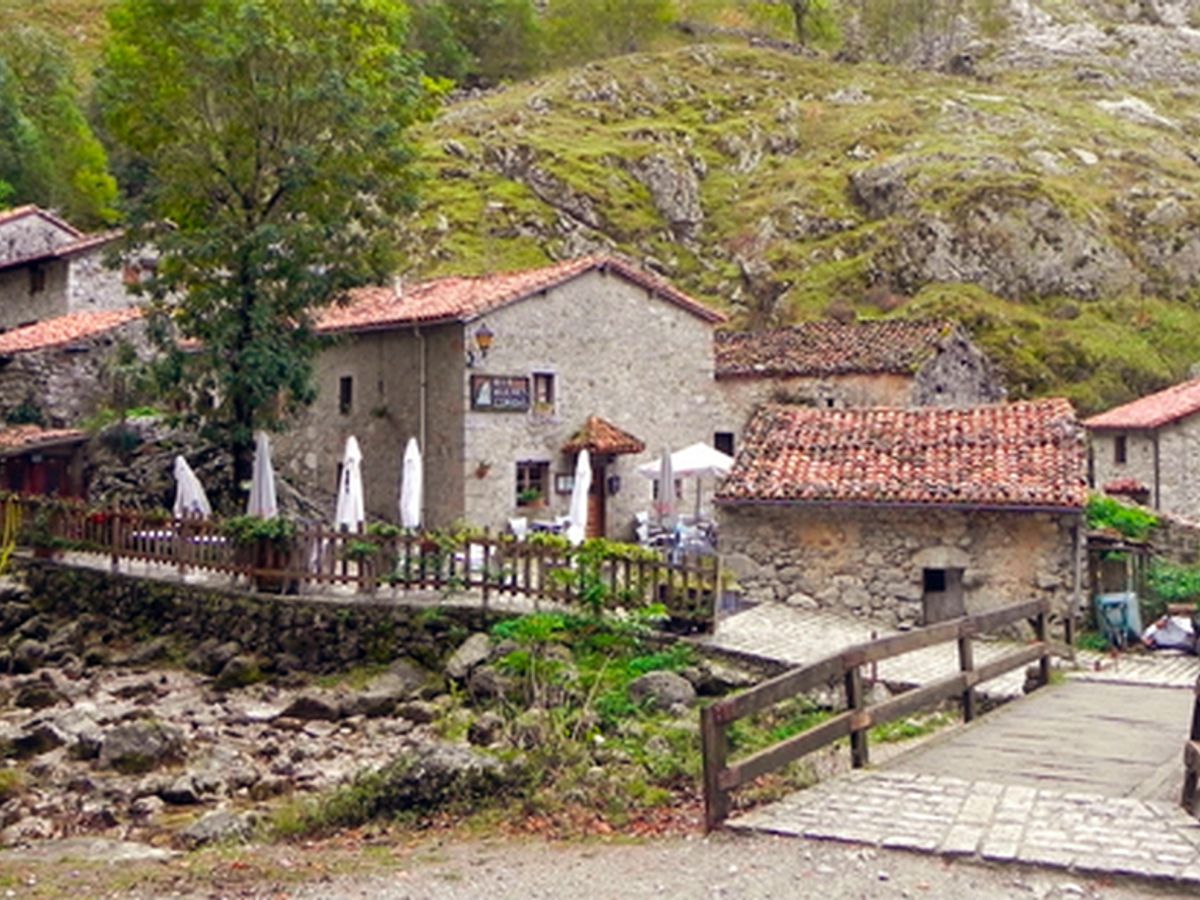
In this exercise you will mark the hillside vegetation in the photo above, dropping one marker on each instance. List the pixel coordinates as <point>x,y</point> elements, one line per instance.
<point>1054,216</point>
<point>1046,195</point>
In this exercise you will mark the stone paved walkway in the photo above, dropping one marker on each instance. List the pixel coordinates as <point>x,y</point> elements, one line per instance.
<point>797,636</point>
<point>997,822</point>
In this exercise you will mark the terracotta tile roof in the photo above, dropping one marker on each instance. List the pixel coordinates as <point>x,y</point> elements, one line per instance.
<point>1153,411</point>
<point>460,299</point>
<point>1027,454</point>
<point>830,348</point>
<point>63,330</point>
<point>1128,485</point>
<point>600,436</point>
<point>16,438</point>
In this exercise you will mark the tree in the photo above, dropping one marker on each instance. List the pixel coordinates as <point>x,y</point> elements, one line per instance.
<point>269,138</point>
<point>49,145</point>
<point>477,41</point>
<point>813,21</point>
<point>593,29</point>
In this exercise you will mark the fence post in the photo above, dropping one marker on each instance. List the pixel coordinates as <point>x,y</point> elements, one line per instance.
<point>966,665</point>
<point>487,553</point>
<point>1039,627</point>
<point>714,745</point>
<point>856,701</point>
<point>115,538</point>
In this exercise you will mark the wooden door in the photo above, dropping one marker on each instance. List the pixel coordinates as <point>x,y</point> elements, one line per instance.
<point>596,519</point>
<point>943,598</point>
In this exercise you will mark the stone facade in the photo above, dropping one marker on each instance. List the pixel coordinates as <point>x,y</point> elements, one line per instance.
<point>870,561</point>
<point>48,269</point>
<point>1166,460</point>
<point>613,349</point>
<point>64,384</point>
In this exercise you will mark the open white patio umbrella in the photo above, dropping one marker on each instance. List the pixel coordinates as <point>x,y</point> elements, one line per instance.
<point>190,500</point>
<point>262,501</point>
<point>350,512</point>
<point>577,518</point>
<point>410,486</point>
<point>666,490</point>
<point>695,461</point>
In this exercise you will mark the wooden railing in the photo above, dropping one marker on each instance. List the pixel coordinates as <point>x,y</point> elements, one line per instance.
<point>1191,757</point>
<point>317,556</point>
<point>721,777</point>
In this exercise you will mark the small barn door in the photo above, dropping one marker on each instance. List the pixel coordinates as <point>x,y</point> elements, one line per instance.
<point>942,597</point>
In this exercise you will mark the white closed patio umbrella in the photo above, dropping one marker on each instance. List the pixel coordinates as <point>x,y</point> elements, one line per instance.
<point>410,486</point>
<point>577,518</point>
<point>350,511</point>
<point>190,500</point>
<point>666,490</point>
<point>262,502</point>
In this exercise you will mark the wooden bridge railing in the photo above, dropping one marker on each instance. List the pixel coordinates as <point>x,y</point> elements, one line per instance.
<point>315,555</point>
<point>1191,757</point>
<point>721,776</point>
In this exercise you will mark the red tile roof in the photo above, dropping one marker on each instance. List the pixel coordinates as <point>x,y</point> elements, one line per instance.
<point>599,436</point>
<point>830,348</point>
<point>16,438</point>
<point>63,330</point>
<point>1153,411</point>
<point>1027,454</point>
<point>458,299</point>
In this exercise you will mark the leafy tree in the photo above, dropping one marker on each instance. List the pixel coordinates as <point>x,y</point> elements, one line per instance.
<point>270,135</point>
<point>61,162</point>
<point>813,20</point>
<point>590,29</point>
<point>477,41</point>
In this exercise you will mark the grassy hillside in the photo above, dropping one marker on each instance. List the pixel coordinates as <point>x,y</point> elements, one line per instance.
<point>80,23</point>
<point>1063,226</point>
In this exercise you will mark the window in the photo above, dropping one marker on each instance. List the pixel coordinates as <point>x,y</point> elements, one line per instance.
<point>543,392</point>
<point>1119,450</point>
<point>533,477</point>
<point>37,279</point>
<point>345,394</point>
<point>723,441</point>
<point>935,581</point>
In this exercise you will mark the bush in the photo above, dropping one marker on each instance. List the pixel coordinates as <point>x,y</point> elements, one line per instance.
<point>1130,521</point>
<point>1170,583</point>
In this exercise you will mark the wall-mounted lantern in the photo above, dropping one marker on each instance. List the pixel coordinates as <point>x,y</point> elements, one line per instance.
<point>483,342</point>
<point>614,484</point>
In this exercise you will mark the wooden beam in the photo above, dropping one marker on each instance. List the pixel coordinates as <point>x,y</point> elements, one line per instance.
<point>779,755</point>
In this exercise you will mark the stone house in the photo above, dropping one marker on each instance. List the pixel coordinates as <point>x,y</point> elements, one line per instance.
<point>503,379</point>
<point>1149,449</point>
<point>833,365</point>
<point>50,268</point>
<point>55,372</point>
<point>908,516</point>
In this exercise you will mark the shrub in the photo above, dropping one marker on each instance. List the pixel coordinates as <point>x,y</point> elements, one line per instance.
<point>1130,521</point>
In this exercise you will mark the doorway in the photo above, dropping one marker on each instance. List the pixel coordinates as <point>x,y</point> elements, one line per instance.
<point>597,518</point>
<point>942,595</point>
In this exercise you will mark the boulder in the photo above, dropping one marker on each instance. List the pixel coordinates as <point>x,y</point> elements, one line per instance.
<point>140,746</point>
<point>381,694</point>
<point>486,729</point>
<point>314,705</point>
<point>714,679</point>
<point>433,776</point>
<point>38,695</point>
<point>239,671</point>
<point>181,792</point>
<point>473,651</point>
<point>217,827</point>
<point>487,683</point>
<point>37,738</point>
<point>662,690</point>
<point>420,712</point>
<point>28,655</point>
<point>152,651</point>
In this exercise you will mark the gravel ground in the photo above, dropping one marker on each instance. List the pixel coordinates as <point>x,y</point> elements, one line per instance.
<point>727,865</point>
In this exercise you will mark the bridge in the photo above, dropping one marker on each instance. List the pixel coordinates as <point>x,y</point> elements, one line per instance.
<point>1084,773</point>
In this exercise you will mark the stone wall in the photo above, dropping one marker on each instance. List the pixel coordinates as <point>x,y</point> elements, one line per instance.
<point>66,384</point>
<point>741,395</point>
<point>1174,450</point>
<point>286,633</point>
<point>20,305</point>
<point>384,412</point>
<point>1176,540</point>
<point>615,351</point>
<point>959,375</point>
<point>91,285</point>
<point>869,562</point>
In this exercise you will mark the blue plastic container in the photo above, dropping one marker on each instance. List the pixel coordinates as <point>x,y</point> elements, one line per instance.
<point>1119,617</point>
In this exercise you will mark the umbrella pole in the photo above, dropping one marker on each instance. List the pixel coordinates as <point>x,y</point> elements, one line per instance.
<point>697,500</point>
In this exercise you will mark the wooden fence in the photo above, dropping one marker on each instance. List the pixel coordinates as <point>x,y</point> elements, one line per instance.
<point>721,777</point>
<point>1191,756</point>
<point>314,556</point>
